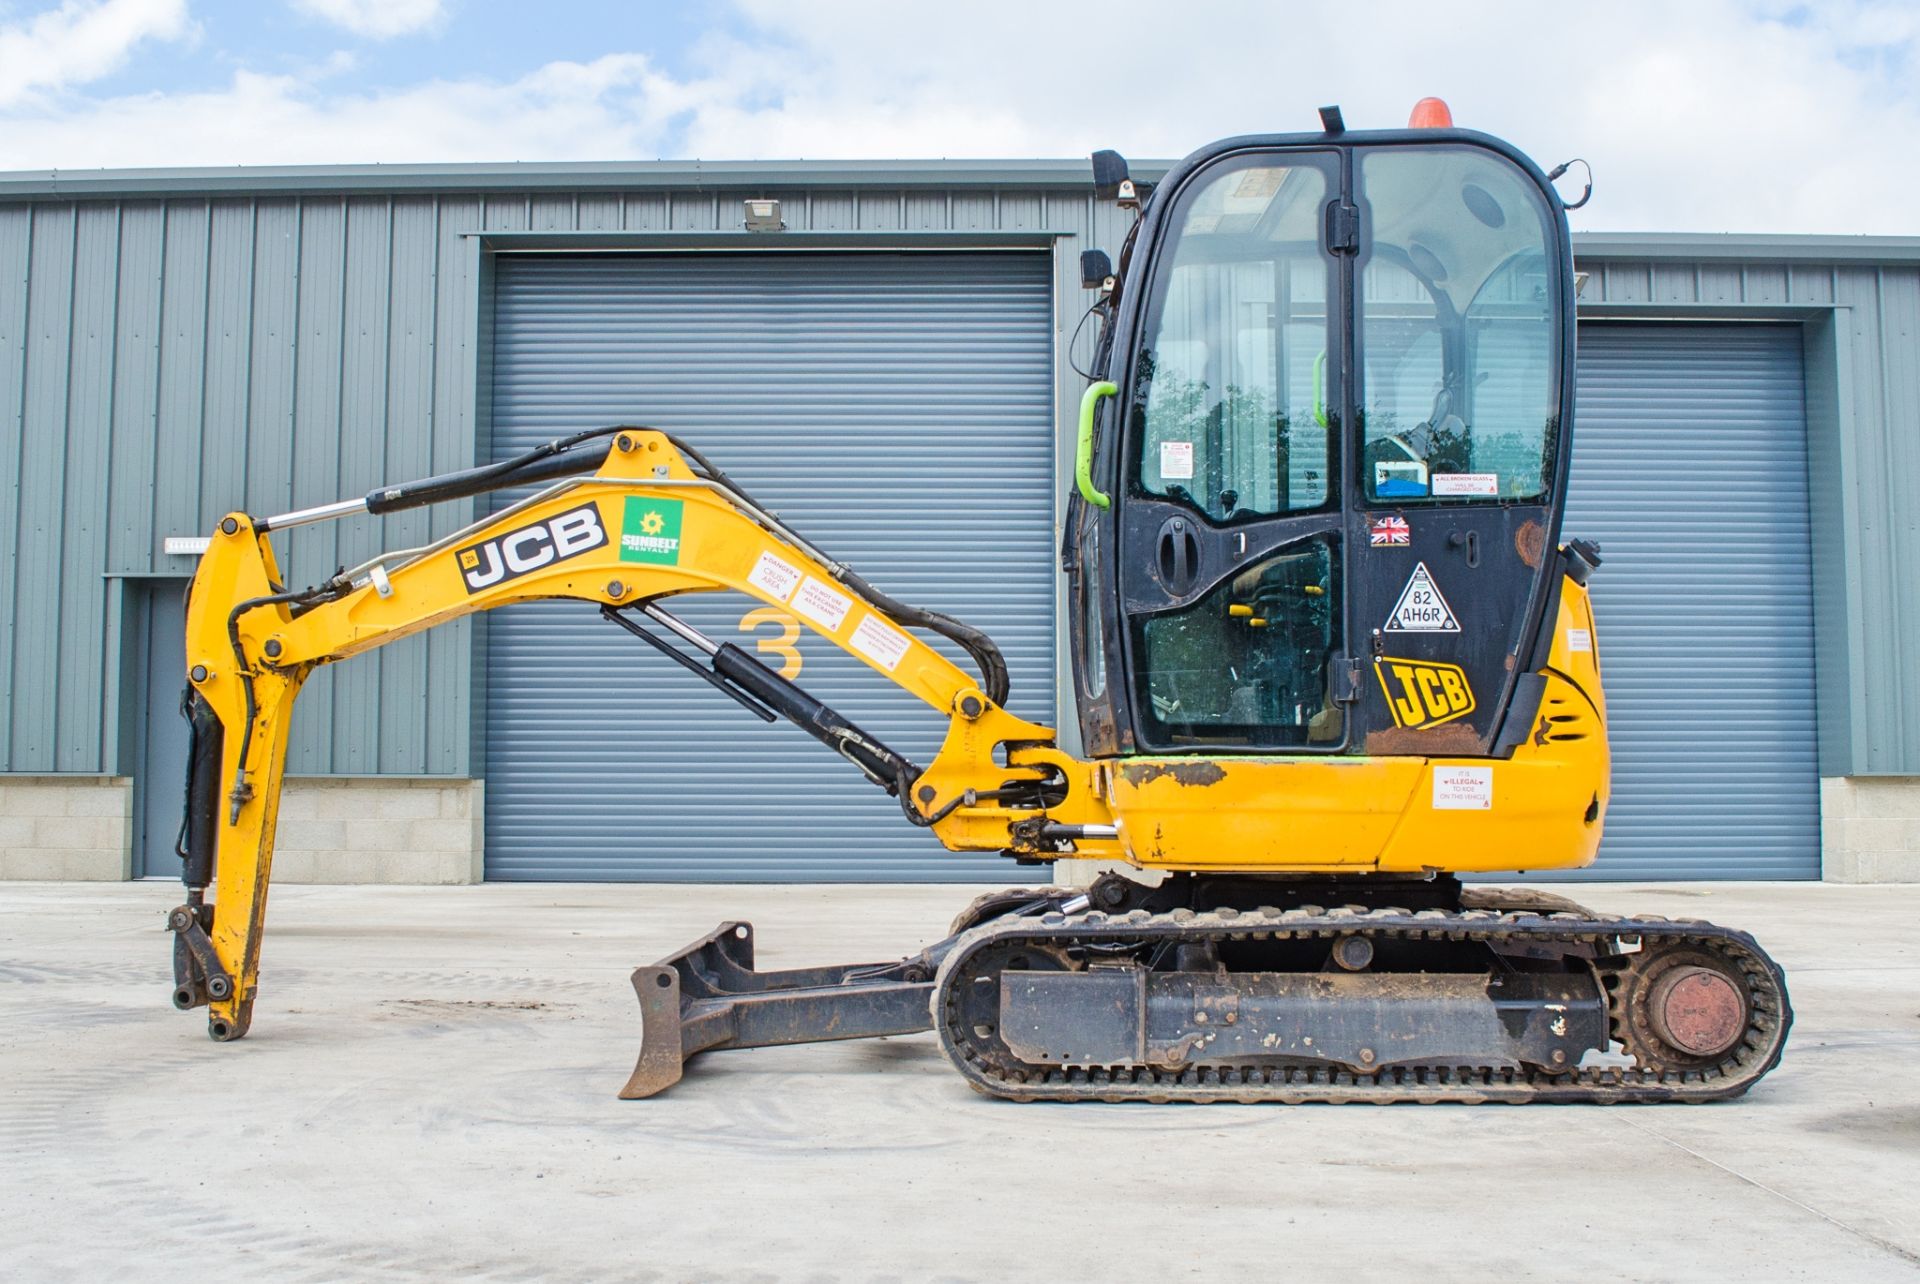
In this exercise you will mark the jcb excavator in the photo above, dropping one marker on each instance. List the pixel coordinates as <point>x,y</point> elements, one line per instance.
<point>1330,655</point>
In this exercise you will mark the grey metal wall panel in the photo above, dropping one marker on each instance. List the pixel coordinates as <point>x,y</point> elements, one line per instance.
<point>227,353</point>
<point>1895,547</point>
<point>33,694</point>
<point>78,602</point>
<point>1690,468</point>
<point>408,452</point>
<point>16,250</point>
<point>273,358</point>
<point>450,647</point>
<point>136,390</point>
<point>899,410</point>
<point>318,432</point>
<point>183,366</point>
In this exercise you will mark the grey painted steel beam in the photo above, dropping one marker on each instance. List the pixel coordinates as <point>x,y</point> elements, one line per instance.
<point>1761,247</point>
<point>741,176</point>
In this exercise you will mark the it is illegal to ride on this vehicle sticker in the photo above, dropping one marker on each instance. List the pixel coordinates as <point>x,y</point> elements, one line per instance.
<point>1463,788</point>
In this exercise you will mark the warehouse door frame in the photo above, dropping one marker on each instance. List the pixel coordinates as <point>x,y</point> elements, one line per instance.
<point>153,735</point>
<point>1833,471</point>
<point>1827,356</point>
<point>1068,301</point>
<point>1662,407</point>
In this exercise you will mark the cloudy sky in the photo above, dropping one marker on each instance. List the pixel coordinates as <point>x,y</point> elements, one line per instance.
<point>1697,115</point>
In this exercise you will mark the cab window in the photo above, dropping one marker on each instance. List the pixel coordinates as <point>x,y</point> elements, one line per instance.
<point>1230,417</point>
<point>1249,663</point>
<point>1457,329</point>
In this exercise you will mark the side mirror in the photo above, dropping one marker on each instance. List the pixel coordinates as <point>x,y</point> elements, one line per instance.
<point>1109,172</point>
<point>1096,269</point>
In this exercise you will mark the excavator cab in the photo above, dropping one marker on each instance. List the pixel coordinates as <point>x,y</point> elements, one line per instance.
<point>1319,498</point>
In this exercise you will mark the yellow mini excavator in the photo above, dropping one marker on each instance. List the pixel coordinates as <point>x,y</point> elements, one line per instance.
<point>1330,650</point>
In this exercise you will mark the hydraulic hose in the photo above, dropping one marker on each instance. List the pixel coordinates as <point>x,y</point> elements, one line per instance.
<point>560,458</point>
<point>985,653</point>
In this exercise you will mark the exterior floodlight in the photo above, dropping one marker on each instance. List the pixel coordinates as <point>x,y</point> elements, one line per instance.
<point>764,216</point>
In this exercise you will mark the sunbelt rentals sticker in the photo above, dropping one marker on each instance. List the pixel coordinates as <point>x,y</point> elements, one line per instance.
<point>650,531</point>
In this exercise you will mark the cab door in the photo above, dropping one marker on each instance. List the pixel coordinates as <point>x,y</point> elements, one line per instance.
<point>1230,534</point>
<point>1458,334</point>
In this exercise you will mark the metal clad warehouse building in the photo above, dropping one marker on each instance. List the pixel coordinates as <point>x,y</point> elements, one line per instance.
<point>891,374</point>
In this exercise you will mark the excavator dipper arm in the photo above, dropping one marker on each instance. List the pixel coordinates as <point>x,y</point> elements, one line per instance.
<point>628,520</point>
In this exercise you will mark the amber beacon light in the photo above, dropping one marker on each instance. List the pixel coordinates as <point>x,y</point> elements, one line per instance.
<point>1430,113</point>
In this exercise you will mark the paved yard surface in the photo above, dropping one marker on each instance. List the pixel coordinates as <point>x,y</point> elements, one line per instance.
<point>429,1091</point>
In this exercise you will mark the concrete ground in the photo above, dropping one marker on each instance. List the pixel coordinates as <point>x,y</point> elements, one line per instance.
<point>428,1091</point>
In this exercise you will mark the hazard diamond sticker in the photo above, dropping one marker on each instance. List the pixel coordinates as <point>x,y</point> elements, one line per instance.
<point>1421,609</point>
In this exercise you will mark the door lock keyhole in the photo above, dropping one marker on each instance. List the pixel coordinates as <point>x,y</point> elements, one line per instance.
<point>1470,540</point>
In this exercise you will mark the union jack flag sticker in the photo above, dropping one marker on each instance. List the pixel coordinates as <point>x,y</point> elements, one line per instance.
<point>1391,532</point>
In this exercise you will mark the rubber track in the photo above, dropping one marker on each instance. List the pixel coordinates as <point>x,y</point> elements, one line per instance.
<point>989,1071</point>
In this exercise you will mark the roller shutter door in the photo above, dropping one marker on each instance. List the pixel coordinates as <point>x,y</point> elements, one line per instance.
<point>897,409</point>
<point>1690,468</point>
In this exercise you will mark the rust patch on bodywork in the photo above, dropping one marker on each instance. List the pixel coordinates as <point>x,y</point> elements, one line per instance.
<point>1198,772</point>
<point>1450,738</point>
<point>1530,541</point>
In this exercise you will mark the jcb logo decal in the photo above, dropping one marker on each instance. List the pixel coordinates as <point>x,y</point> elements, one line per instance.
<point>509,556</point>
<point>1424,693</point>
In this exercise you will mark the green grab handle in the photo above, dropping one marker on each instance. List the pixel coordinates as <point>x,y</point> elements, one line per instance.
<point>1319,390</point>
<point>1083,449</point>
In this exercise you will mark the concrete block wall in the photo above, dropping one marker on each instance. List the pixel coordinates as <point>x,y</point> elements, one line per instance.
<point>382,830</point>
<point>389,830</point>
<point>76,828</point>
<point>430,830</point>
<point>1870,829</point>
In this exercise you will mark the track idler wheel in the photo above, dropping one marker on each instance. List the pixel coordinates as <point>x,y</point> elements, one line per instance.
<point>978,1006</point>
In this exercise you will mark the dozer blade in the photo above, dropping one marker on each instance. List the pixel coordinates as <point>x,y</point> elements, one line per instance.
<point>708,996</point>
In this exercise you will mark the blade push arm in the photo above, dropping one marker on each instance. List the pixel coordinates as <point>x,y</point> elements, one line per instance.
<point>644,526</point>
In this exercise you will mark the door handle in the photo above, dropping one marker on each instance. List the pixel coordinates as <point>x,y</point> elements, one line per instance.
<point>1178,554</point>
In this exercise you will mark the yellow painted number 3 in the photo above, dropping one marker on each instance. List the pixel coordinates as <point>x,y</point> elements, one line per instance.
<point>785,644</point>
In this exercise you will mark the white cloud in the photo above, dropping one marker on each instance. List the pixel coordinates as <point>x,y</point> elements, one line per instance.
<point>377,19</point>
<point>1713,115</point>
<point>1710,115</point>
<point>563,110</point>
<point>79,42</point>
